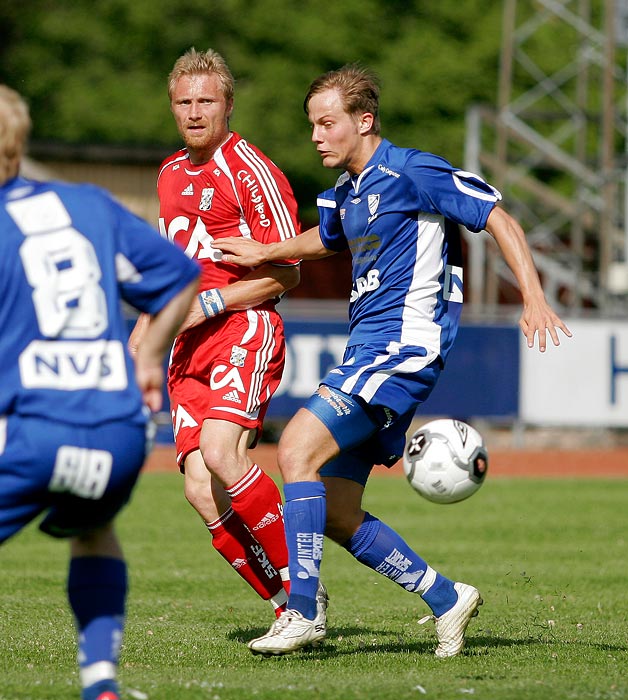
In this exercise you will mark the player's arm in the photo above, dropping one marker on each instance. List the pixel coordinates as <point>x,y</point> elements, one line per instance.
<point>265,282</point>
<point>250,253</point>
<point>139,329</point>
<point>159,331</point>
<point>537,315</point>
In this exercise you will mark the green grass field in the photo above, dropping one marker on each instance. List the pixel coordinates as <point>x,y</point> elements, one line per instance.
<point>550,557</point>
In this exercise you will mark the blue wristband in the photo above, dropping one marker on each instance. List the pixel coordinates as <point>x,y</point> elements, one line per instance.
<point>211,302</point>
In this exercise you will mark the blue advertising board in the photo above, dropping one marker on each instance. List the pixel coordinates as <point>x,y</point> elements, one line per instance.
<point>481,379</point>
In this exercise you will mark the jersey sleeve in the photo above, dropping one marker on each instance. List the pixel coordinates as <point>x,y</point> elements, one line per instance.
<point>269,206</point>
<point>330,226</point>
<point>459,195</point>
<point>150,269</point>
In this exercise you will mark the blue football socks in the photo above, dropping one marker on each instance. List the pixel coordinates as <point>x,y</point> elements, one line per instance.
<point>380,548</point>
<point>304,517</point>
<point>97,589</point>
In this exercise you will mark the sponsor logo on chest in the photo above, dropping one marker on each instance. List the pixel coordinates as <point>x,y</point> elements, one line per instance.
<point>253,187</point>
<point>363,285</point>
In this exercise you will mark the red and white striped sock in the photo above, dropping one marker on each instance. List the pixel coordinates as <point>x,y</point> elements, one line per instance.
<point>257,500</point>
<point>233,541</point>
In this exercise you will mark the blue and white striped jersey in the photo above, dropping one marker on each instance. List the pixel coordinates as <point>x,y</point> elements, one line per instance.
<point>68,255</point>
<point>399,219</point>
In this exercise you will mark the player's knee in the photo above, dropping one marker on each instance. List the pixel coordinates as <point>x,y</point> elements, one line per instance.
<point>299,455</point>
<point>337,535</point>
<point>191,494</point>
<point>224,462</point>
<point>101,541</point>
<point>294,463</point>
<point>341,526</point>
<point>285,457</point>
<point>197,491</point>
<point>215,454</point>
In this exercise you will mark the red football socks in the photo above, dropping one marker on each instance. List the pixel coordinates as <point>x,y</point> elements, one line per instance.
<point>233,541</point>
<point>256,499</point>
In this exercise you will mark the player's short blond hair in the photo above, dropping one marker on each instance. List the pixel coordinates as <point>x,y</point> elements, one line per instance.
<point>195,62</point>
<point>358,88</point>
<point>15,126</point>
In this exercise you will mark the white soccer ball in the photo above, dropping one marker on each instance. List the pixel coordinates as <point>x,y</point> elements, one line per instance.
<point>445,461</point>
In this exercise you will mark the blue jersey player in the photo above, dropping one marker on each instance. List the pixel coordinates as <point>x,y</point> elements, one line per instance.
<point>72,415</point>
<point>397,210</point>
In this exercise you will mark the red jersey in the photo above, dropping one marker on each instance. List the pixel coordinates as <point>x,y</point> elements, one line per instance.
<point>228,367</point>
<point>239,192</point>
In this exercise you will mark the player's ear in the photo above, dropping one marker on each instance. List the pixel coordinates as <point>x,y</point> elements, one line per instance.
<point>365,122</point>
<point>229,108</point>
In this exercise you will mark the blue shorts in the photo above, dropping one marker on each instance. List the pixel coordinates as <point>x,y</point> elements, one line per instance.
<point>79,476</point>
<point>382,388</point>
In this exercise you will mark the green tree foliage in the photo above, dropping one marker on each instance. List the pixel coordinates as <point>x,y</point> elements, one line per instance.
<point>95,72</point>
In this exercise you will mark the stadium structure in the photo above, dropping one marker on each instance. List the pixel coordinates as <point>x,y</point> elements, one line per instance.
<point>555,145</point>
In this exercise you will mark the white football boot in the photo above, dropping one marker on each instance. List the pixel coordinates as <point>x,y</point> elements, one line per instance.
<point>291,631</point>
<point>322,602</point>
<point>451,626</point>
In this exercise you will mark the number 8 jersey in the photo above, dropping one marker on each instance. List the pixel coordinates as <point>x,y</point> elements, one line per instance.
<point>68,253</point>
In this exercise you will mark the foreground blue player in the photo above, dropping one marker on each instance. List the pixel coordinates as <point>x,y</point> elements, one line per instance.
<point>72,420</point>
<point>397,211</point>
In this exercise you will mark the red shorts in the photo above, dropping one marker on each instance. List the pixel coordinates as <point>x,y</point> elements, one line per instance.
<point>225,369</point>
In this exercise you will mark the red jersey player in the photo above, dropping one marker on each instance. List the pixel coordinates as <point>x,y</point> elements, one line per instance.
<point>228,358</point>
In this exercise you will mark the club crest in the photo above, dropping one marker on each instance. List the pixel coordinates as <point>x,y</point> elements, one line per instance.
<point>373,203</point>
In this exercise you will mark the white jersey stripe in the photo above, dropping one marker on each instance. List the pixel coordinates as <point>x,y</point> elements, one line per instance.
<point>253,400</point>
<point>221,162</point>
<point>417,319</point>
<point>278,207</point>
<point>374,382</point>
<point>460,176</point>
<point>228,409</point>
<point>172,162</point>
<point>411,366</point>
<point>253,319</point>
<point>349,385</point>
<point>269,187</point>
<point>276,203</point>
<point>327,203</point>
<point>3,433</point>
<point>262,359</point>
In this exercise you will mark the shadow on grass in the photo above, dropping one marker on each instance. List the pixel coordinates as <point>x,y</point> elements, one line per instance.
<point>365,640</point>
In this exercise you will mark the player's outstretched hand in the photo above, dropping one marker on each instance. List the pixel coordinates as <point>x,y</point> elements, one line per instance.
<point>539,317</point>
<point>241,251</point>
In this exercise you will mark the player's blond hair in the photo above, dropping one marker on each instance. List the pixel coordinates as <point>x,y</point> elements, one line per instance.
<point>358,88</point>
<point>195,62</point>
<point>15,126</point>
